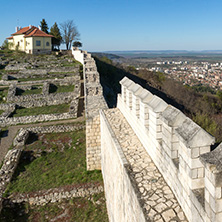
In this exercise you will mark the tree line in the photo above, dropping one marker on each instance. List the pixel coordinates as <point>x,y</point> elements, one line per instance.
<point>67,33</point>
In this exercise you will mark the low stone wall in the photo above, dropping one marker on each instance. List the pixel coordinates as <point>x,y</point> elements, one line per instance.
<point>17,66</point>
<point>21,137</point>
<point>57,194</point>
<point>11,161</point>
<point>45,88</point>
<point>3,82</point>
<point>39,100</point>
<point>28,73</point>
<point>9,165</point>
<point>45,91</point>
<point>33,119</point>
<point>179,148</point>
<point>34,97</point>
<point>8,109</point>
<point>56,80</point>
<point>121,195</point>
<point>11,92</point>
<point>55,128</point>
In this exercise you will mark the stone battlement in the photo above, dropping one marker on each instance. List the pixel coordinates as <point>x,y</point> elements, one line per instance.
<point>179,148</point>
<point>176,148</point>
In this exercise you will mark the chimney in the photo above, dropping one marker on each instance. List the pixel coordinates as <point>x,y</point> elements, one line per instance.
<point>30,26</point>
<point>39,27</point>
<point>16,29</point>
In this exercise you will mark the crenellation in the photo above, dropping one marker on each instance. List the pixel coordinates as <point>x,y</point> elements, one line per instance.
<point>145,141</point>
<point>175,141</point>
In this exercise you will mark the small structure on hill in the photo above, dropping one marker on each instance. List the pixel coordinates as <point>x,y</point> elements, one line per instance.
<point>31,40</point>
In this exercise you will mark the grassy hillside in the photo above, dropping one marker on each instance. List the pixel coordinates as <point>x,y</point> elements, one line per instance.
<point>203,106</point>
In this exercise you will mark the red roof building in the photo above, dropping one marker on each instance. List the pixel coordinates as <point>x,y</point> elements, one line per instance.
<point>31,40</point>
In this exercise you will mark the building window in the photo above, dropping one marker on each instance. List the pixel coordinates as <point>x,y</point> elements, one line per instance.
<point>47,43</point>
<point>38,43</point>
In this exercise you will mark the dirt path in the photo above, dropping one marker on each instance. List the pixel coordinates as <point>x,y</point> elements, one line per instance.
<point>9,135</point>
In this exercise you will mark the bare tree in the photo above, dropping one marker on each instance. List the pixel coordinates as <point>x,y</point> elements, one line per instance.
<point>69,33</point>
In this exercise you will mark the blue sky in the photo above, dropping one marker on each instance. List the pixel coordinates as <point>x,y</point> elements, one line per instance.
<point>124,24</point>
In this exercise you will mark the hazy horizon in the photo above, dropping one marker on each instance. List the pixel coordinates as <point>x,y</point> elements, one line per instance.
<point>126,24</point>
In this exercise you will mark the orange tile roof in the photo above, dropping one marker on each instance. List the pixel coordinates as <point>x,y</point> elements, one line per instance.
<point>22,31</point>
<point>11,37</point>
<point>32,31</point>
<point>37,32</point>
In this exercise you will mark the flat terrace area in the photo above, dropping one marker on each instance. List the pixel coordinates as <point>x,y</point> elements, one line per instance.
<point>156,198</point>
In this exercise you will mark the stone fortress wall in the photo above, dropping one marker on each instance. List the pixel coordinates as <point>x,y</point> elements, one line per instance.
<point>179,148</point>
<point>94,101</point>
<point>122,199</point>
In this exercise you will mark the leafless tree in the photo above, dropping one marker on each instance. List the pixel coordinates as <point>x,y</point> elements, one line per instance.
<point>69,33</point>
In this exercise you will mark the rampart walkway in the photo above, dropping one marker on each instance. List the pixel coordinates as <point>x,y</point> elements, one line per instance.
<point>157,200</point>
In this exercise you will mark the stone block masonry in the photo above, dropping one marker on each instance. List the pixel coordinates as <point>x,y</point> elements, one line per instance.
<point>94,101</point>
<point>159,167</point>
<point>179,148</point>
<point>132,182</point>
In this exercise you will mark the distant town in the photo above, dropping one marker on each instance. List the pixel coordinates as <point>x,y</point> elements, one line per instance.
<point>190,68</point>
<point>192,73</point>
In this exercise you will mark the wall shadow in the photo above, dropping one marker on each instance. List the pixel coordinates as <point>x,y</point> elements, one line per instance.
<point>110,77</point>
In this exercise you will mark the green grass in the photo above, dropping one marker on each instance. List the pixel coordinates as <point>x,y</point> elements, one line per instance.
<point>62,166</point>
<point>69,64</point>
<point>61,89</point>
<point>77,209</point>
<point>3,93</point>
<point>34,90</point>
<point>63,108</point>
<point>57,73</point>
<point>37,78</point>
<point>2,111</point>
<point>85,210</point>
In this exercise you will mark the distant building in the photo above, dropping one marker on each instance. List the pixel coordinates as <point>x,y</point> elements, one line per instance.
<point>31,40</point>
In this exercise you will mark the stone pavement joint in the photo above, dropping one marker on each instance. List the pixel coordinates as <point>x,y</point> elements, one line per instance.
<point>155,196</point>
